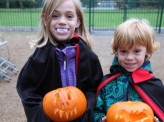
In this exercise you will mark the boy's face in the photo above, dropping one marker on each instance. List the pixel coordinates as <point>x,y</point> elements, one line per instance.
<point>131,59</point>
<point>64,21</point>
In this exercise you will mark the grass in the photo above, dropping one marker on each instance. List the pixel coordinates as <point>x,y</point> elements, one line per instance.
<point>111,18</point>
<point>102,18</point>
<point>16,17</point>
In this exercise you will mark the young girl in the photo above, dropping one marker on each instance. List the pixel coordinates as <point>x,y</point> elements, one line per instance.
<point>131,76</point>
<point>63,57</point>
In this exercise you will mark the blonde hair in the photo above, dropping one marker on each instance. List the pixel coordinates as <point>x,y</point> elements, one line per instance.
<point>134,32</point>
<point>46,15</point>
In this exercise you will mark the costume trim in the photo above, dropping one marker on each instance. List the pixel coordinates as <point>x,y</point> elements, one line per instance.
<point>150,102</point>
<point>105,82</point>
<point>77,56</point>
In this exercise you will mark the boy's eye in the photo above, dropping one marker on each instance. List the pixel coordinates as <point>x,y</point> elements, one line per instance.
<point>137,51</point>
<point>123,51</point>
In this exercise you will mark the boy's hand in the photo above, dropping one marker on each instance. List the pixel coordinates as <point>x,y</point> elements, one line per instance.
<point>104,119</point>
<point>156,119</point>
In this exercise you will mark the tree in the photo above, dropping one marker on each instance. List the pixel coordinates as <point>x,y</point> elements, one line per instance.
<point>10,2</point>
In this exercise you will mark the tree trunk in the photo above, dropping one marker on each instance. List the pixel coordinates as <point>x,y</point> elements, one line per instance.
<point>7,3</point>
<point>21,3</point>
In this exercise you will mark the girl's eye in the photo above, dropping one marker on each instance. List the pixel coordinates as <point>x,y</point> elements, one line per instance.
<point>70,16</point>
<point>55,15</point>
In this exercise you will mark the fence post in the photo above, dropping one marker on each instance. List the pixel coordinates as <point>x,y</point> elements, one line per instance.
<point>157,22</point>
<point>161,16</point>
<point>31,17</point>
<point>90,2</point>
<point>125,10</point>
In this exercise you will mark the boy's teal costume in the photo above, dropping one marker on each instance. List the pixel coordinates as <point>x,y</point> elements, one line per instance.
<point>120,85</point>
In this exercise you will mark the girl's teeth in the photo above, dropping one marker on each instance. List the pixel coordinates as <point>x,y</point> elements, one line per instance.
<point>62,30</point>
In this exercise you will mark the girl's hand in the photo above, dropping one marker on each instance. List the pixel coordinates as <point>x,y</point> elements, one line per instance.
<point>104,119</point>
<point>156,119</point>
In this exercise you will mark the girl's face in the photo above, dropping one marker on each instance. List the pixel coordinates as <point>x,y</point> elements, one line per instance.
<point>64,21</point>
<point>131,59</point>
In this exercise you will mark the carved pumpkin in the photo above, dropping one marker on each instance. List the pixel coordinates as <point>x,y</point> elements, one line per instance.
<point>64,104</point>
<point>130,111</point>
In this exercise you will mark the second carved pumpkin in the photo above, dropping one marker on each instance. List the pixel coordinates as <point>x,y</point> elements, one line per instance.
<point>130,111</point>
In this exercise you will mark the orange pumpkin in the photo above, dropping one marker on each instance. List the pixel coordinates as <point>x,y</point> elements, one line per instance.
<point>64,104</point>
<point>130,111</point>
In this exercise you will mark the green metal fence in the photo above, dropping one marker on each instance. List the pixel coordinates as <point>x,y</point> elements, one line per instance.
<point>106,15</point>
<point>99,14</point>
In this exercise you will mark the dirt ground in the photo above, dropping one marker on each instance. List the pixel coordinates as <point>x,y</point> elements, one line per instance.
<point>11,109</point>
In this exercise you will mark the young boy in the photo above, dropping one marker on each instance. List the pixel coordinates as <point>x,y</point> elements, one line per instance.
<point>131,76</point>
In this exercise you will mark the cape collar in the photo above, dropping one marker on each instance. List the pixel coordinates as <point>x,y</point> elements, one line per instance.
<point>72,41</point>
<point>141,75</point>
<point>76,35</point>
<point>144,73</point>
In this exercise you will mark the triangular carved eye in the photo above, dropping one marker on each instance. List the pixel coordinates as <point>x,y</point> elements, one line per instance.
<point>64,104</point>
<point>56,97</point>
<point>69,95</point>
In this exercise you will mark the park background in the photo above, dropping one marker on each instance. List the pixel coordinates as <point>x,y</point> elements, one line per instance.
<point>19,21</point>
<point>99,14</point>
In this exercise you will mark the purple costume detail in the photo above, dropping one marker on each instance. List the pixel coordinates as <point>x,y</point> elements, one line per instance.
<point>67,63</point>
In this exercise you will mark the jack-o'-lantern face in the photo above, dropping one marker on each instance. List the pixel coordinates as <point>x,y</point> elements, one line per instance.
<point>130,112</point>
<point>64,104</point>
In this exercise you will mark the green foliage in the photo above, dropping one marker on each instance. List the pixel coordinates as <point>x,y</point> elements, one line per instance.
<point>2,3</point>
<point>20,3</point>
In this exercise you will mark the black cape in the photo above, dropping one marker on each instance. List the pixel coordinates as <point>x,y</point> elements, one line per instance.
<point>149,88</point>
<point>41,74</point>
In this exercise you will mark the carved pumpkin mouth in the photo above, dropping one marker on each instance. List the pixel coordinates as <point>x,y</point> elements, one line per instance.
<point>130,112</point>
<point>136,116</point>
